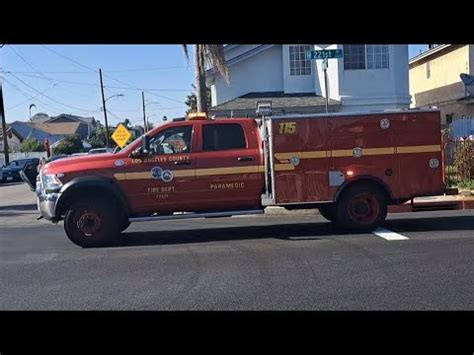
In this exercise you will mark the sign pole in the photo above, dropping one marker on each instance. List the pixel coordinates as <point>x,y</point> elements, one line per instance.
<point>325,67</point>
<point>325,54</point>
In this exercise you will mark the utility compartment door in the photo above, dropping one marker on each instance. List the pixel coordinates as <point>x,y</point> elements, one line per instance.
<point>301,160</point>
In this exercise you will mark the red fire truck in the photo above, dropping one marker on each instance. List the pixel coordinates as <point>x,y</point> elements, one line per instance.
<point>350,166</point>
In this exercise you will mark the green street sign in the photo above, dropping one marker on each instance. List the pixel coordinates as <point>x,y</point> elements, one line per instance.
<point>324,54</point>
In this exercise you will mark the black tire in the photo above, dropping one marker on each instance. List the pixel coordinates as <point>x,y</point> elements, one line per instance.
<point>328,211</point>
<point>125,225</point>
<point>92,222</point>
<point>362,207</point>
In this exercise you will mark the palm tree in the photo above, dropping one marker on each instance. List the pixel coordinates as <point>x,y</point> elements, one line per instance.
<point>214,55</point>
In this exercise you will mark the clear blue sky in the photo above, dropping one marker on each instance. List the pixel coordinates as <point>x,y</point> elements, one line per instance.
<point>63,78</point>
<point>71,87</point>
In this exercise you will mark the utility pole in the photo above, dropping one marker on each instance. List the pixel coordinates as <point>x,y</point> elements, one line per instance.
<point>4,124</point>
<point>145,126</point>
<point>105,110</point>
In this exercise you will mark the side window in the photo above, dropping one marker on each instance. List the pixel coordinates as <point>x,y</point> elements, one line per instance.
<point>172,140</point>
<point>223,137</point>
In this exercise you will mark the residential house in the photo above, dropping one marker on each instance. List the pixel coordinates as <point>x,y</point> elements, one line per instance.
<point>91,122</point>
<point>51,131</point>
<point>435,80</point>
<point>14,140</point>
<point>368,77</point>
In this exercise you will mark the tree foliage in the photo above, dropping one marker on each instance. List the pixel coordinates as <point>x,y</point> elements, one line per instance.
<point>191,101</point>
<point>31,145</point>
<point>69,145</point>
<point>213,55</point>
<point>97,139</point>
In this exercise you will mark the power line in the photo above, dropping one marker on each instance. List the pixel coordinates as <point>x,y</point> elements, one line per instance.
<point>21,55</point>
<point>95,84</point>
<point>51,79</point>
<point>149,69</point>
<point>109,71</point>
<point>29,99</point>
<point>108,76</point>
<point>29,96</point>
<point>69,59</point>
<point>50,98</point>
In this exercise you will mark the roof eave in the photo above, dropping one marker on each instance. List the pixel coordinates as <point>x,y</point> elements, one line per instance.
<point>428,53</point>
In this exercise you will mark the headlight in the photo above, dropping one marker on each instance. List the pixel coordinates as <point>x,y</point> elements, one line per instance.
<point>51,183</point>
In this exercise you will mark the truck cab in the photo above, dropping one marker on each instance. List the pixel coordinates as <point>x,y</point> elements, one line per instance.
<point>193,166</point>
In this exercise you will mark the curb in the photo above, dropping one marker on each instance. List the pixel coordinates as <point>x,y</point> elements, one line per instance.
<point>281,211</point>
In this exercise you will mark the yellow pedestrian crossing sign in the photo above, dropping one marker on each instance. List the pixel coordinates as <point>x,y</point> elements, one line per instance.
<point>121,135</point>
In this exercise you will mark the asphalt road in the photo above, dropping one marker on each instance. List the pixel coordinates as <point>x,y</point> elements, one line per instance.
<point>242,263</point>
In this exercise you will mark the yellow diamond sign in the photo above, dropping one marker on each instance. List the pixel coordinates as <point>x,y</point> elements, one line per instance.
<point>121,135</point>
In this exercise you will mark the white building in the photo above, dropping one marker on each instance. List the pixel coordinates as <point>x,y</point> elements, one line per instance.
<point>368,77</point>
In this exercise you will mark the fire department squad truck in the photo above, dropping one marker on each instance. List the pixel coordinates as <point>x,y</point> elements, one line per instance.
<point>349,166</point>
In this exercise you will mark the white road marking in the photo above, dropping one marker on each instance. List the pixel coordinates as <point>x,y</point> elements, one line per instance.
<point>388,235</point>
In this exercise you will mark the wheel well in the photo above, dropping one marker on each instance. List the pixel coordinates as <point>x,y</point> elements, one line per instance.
<point>92,192</point>
<point>366,180</point>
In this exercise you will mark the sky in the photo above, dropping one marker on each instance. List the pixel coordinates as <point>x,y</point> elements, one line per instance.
<point>64,79</point>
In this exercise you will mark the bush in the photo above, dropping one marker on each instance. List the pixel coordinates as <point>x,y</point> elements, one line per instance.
<point>31,145</point>
<point>69,145</point>
<point>464,161</point>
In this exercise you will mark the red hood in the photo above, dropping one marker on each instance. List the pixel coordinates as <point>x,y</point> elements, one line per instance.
<point>79,163</point>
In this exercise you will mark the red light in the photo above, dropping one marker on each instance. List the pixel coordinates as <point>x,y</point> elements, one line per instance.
<point>349,173</point>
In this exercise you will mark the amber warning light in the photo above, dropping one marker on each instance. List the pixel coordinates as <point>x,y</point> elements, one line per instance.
<point>197,116</point>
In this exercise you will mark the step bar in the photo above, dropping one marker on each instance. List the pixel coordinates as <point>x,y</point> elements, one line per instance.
<point>195,215</point>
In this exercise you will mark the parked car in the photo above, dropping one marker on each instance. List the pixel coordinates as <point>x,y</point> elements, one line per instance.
<point>11,171</point>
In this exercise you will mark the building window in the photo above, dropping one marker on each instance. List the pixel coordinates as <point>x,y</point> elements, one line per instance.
<point>428,70</point>
<point>370,56</point>
<point>299,65</point>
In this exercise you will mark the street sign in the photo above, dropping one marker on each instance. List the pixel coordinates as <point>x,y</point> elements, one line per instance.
<point>324,54</point>
<point>121,135</point>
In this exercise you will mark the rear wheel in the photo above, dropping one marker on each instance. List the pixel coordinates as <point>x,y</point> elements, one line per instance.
<point>328,211</point>
<point>362,207</point>
<point>92,222</point>
<point>125,224</point>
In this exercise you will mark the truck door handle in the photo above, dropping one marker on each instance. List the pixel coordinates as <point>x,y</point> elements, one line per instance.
<point>182,162</point>
<point>245,158</point>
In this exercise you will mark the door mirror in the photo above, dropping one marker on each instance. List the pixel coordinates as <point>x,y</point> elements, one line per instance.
<point>145,144</point>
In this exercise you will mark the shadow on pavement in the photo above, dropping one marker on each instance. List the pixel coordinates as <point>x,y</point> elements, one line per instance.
<point>290,232</point>
<point>13,183</point>
<point>309,231</point>
<point>430,224</point>
<point>24,207</point>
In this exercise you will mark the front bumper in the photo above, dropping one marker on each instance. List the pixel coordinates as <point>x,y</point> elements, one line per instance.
<point>46,204</point>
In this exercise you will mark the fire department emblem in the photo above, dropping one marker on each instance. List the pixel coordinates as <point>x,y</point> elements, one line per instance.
<point>156,173</point>
<point>167,176</point>
<point>357,152</point>
<point>384,123</point>
<point>295,161</point>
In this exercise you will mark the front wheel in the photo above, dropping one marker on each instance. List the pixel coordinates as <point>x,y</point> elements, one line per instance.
<point>362,207</point>
<point>92,222</point>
